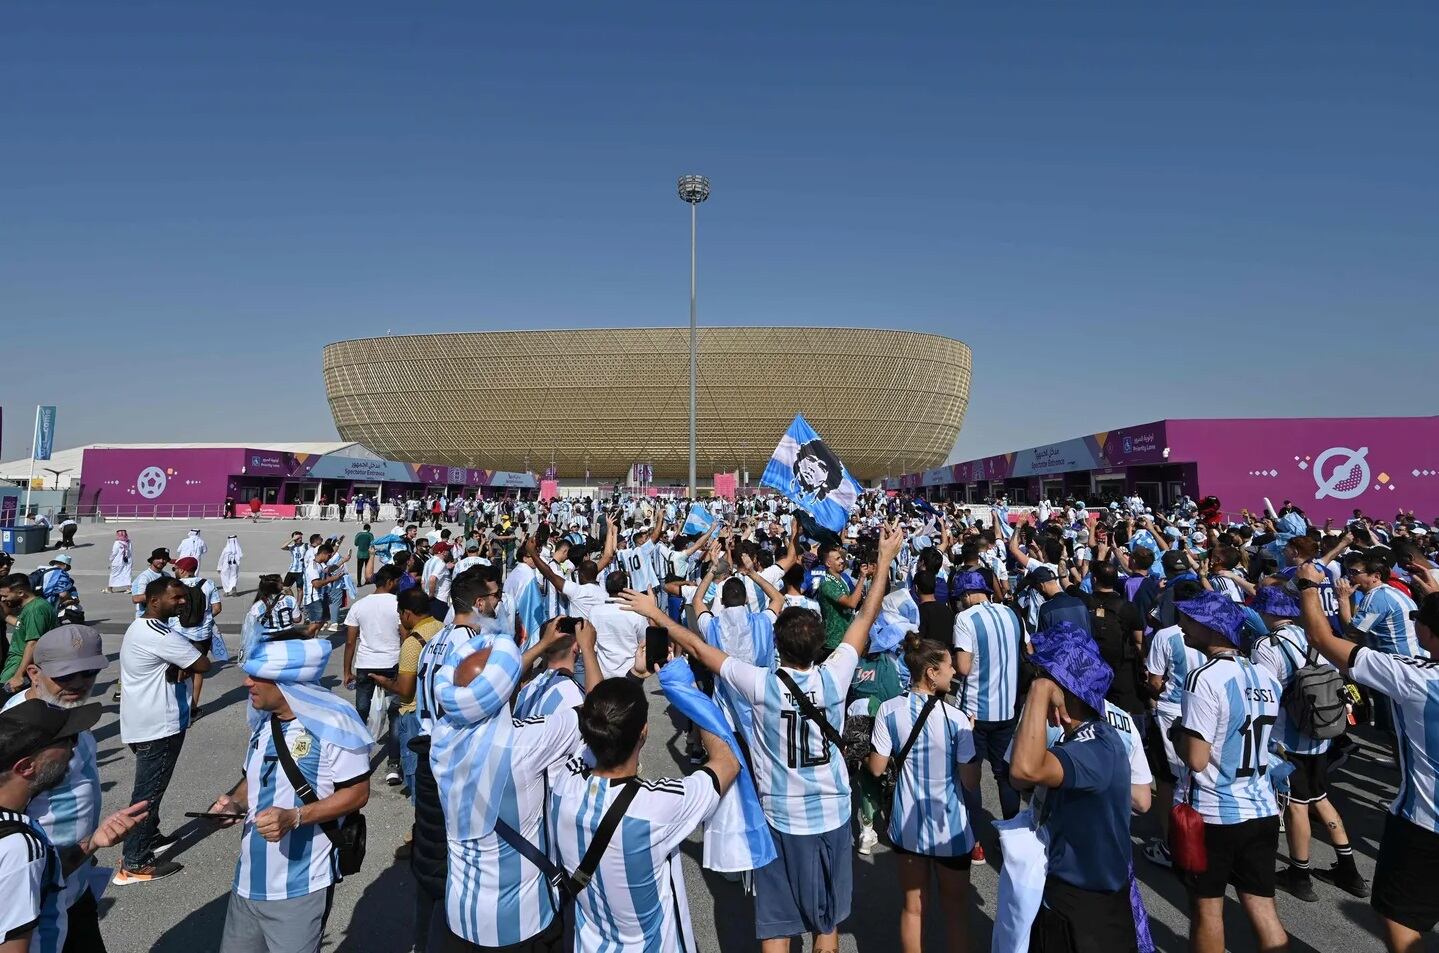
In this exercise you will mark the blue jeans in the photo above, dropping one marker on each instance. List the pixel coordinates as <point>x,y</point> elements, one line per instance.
<point>324,609</point>
<point>991,743</point>
<point>364,692</point>
<point>154,765</point>
<point>403,728</point>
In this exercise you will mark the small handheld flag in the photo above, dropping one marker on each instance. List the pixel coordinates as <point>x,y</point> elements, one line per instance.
<point>699,520</point>
<point>806,471</point>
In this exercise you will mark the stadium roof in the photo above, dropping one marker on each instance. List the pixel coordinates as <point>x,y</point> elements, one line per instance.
<point>19,470</point>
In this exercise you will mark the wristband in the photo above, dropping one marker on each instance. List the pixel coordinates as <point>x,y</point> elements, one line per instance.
<point>1302,584</point>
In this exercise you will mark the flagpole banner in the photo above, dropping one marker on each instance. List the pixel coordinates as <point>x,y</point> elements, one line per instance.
<point>806,471</point>
<point>44,432</point>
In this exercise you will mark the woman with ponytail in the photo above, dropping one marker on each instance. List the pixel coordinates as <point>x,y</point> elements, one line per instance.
<point>926,747</point>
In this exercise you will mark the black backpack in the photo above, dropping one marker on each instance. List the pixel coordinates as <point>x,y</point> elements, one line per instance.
<point>192,611</point>
<point>1118,650</point>
<point>37,579</point>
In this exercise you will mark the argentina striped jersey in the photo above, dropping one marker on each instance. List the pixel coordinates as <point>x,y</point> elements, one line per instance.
<point>493,895</point>
<point>928,814</point>
<point>1232,704</point>
<point>1383,615</point>
<point>1170,658</point>
<point>303,861</point>
<point>993,635</point>
<point>803,784</point>
<point>636,900</point>
<point>31,886</point>
<point>547,693</point>
<point>1412,685</point>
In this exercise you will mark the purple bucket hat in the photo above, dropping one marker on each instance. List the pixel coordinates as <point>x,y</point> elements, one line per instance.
<point>1215,611</point>
<point>1068,655</point>
<point>971,581</point>
<point>1277,601</point>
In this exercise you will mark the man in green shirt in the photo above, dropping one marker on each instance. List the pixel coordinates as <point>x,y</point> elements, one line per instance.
<point>837,598</point>
<point>32,617</point>
<point>364,540</point>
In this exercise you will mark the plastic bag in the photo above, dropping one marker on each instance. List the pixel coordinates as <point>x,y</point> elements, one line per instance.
<point>1021,882</point>
<point>379,710</point>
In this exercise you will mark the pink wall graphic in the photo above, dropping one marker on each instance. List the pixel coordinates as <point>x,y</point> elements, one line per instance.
<point>1327,466</point>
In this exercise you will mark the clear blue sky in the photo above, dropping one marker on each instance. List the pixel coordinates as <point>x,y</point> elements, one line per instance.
<point>1129,211</point>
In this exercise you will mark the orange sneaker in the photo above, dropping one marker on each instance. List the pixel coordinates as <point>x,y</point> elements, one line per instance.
<point>160,868</point>
<point>977,855</point>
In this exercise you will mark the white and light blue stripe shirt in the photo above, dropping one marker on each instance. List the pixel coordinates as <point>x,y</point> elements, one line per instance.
<point>1383,615</point>
<point>637,899</point>
<point>548,692</point>
<point>802,780</point>
<point>1283,653</point>
<point>1233,705</point>
<point>1412,685</point>
<point>1170,658</point>
<point>70,811</point>
<point>928,815</point>
<point>432,659</point>
<point>303,861</point>
<point>493,895</point>
<point>993,635</point>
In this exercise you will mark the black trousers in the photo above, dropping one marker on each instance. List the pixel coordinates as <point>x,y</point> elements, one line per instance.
<point>83,935</point>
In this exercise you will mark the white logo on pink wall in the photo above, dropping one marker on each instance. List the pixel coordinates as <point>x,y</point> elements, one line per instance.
<point>151,482</point>
<point>1348,478</point>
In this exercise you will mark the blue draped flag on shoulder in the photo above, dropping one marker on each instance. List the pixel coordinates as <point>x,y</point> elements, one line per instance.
<point>739,820</point>
<point>699,520</point>
<point>806,471</point>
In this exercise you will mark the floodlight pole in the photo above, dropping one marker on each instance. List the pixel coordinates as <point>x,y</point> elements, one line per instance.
<point>693,189</point>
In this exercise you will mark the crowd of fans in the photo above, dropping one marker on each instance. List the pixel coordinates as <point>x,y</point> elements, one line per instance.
<point>1186,677</point>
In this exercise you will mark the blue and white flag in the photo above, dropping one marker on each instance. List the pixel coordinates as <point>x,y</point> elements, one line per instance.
<point>532,610</point>
<point>296,666</point>
<point>808,473</point>
<point>738,823</point>
<point>699,520</point>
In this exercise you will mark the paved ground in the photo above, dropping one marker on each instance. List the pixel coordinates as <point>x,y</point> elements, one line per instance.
<point>184,914</point>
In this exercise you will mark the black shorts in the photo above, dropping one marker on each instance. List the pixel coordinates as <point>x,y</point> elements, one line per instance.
<point>948,863</point>
<point>1404,875</point>
<point>293,577</point>
<point>1240,854</point>
<point>1073,920</point>
<point>1309,783</point>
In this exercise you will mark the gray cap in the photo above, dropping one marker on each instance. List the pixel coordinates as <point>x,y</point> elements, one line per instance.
<point>68,649</point>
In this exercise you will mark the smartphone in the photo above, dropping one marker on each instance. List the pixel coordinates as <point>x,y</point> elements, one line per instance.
<point>568,624</point>
<point>216,815</point>
<point>657,646</point>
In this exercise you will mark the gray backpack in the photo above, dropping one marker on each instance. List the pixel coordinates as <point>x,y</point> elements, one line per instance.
<point>1315,699</point>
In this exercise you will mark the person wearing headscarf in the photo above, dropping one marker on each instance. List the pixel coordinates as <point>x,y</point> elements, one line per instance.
<point>285,876</point>
<point>230,558</point>
<point>120,563</point>
<point>192,545</point>
<point>1086,797</point>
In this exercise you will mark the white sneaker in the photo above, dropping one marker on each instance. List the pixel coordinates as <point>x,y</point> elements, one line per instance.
<point>867,839</point>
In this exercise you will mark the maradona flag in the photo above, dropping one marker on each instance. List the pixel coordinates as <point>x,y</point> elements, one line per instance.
<point>808,472</point>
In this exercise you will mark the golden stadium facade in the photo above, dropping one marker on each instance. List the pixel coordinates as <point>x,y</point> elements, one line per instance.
<point>592,403</point>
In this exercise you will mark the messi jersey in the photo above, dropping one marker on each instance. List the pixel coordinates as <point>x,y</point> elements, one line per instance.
<point>1283,653</point>
<point>1233,705</point>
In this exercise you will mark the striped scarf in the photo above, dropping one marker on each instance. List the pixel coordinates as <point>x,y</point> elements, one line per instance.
<point>296,666</point>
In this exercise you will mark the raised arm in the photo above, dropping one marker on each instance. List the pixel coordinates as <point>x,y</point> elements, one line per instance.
<point>776,598</point>
<point>791,553</point>
<point>697,602</point>
<point>611,535</point>
<point>543,567</point>
<point>857,635</point>
<point>688,640</point>
<point>1316,623</point>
